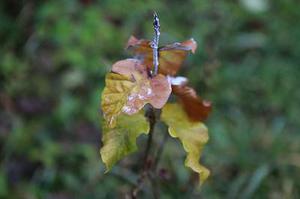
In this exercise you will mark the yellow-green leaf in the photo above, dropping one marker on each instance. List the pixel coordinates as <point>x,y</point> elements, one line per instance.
<point>129,88</point>
<point>193,136</point>
<point>114,96</point>
<point>121,140</point>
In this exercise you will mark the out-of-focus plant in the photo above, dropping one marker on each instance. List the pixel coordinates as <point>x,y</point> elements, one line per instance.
<point>149,79</point>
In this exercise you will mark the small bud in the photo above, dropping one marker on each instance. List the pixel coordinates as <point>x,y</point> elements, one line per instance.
<point>156,20</point>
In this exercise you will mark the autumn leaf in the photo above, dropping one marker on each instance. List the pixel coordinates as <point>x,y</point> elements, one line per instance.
<point>128,88</point>
<point>162,90</point>
<point>171,56</point>
<point>114,96</point>
<point>121,140</point>
<point>193,136</point>
<point>196,108</point>
<point>139,46</point>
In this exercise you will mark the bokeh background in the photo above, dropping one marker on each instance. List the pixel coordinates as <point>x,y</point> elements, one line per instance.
<point>53,59</point>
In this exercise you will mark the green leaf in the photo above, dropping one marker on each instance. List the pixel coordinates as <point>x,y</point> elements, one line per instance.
<point>193,136</point>
<point>121,140</point>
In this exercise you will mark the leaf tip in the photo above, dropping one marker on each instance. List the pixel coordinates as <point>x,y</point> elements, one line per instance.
<point>131,41</point>
<point>106,170</point>
<point>192,44</point>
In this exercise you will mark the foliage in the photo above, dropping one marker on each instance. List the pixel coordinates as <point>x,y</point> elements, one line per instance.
<point>193,136</point>
<point>132,83</point>
<point>120,140</point>
<point>128,89</point>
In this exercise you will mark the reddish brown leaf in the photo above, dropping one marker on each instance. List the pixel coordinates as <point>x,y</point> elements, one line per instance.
<point>162,87</point>
<point>130,68</point>
<point>191,44</point>
<point>140,47</point>
<point>196,108</point>
<point>171,56</point>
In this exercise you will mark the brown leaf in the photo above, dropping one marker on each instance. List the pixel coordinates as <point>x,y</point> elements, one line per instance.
<point>141,47</point>
<point>191,44</point>
<point>132,68</point>
<point>171,56</point>
<point>162,87</point>
<point>196,108</point>
<point>157,92</point>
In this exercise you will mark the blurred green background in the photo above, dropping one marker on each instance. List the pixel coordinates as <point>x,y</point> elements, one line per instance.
<point>53,59</point>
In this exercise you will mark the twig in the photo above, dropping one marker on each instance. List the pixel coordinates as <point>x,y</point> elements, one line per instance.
<point>154,44</point>
<point>151,111</point>
<point>154,184</point>
<point>160,151</point>
<point>152,120</point>
<point>151,114</point>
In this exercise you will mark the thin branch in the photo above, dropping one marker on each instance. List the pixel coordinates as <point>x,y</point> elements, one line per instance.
<point>151,114</point>
<point>152,120</point>
<point>154,184</point>
<point>160,151</point>
<point>155,42</point>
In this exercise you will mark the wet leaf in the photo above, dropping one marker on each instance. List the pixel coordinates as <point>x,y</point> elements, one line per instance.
<point>171,56</point>
<point>132,68</point>
<point>162,90</point>
<point>139,46</point>
<point>196,108</point>
<point>193,136</point>
<point>129,88</point>
<point>114,96</point>
<point>121,140</point>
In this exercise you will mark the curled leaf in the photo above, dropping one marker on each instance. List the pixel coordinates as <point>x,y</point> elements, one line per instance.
<point>129,88</point>
<point>121,140</point>
<point>191,44</point>
<point>196,108</point>
<point>171,56</point>
<point>193,136</point>
<point>139,46</point>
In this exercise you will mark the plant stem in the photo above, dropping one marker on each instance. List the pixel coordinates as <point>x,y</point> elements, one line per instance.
<point>160,151</point>
<point>152,118</point>
<point>154,44</point>
<point>151,112</point>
